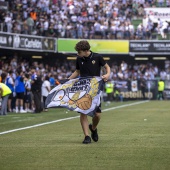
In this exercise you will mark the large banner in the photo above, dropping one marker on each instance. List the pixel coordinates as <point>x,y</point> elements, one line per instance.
<point>131,90</point>
<point>6,40</point>
<point>81,95</point>
<point>167,89</point>
<point>26,42</point>
<point>3,6</point>
<point>98,46</point>
<point>149,47</point>
<point>158,13</point>
<point>121,85</point>
<point>152,89</point>
<point>48,44</point>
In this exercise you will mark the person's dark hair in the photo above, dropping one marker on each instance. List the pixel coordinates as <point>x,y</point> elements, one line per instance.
<point>27,75</point>
<point>46,78</point>
<point>33,67</point>
<point>82,46</point>
<point>3,76</point>
<point>10,72</point>
<point>18,71</point>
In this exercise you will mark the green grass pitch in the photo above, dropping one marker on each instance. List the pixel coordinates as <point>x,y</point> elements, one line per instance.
<point>132,136</point>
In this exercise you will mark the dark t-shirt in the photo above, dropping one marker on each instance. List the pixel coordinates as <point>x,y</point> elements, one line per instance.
<point>91,65</point>
<point>36,86</point>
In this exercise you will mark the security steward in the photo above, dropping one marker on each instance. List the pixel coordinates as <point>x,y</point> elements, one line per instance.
<point>161,87</point>
<point>109,90</point>
<point>4,94</point>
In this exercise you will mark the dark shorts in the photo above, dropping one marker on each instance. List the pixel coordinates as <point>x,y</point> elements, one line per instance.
<point>20,95</point>
<point>165,31</point>
<point>11,96</point>
<point>27,98</point>
<point>98,109</point>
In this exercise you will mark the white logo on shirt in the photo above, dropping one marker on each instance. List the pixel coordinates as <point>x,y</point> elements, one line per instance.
<point>93,62</point>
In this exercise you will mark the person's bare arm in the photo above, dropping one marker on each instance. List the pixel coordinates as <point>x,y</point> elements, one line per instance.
<point>75,74</point>
<point>106,76</point>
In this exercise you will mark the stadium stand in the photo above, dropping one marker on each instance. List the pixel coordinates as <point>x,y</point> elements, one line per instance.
<point>91,19</point>
<point>84,19</point>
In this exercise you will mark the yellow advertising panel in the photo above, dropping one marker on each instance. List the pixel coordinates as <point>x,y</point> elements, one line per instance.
<point>98,46</point>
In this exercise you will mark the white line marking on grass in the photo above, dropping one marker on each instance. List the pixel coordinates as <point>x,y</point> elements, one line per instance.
<point>16,117</point>
<point>69,118</point>
<point>37,125</point>
<point>113,108</point>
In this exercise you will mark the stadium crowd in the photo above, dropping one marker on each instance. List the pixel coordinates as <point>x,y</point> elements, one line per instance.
<point>103,19</point>
<point>19,74</point>
<point>63,69</point>
<point>91,19</point>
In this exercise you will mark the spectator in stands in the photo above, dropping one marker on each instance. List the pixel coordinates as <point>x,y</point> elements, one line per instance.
<point>104,29</point>
<point>123,66</point>
<point>17,26</point>
<point>97,28</point>
<point>51,80</point>
<point>25,29</point>
<point>30,24</point>
<point>132,30</point>
<point>2,18</point>
<point>51,31</point>
<point>91,32</point>
<point>135,8</point>
<point>113,30</point>
<point>126,74</point>
<point>120,74</point>
<point>141,11</point>
<point>45,13</point>
<point>167,3</point>
<point>163,74</point>
<point>164,29</point>
<point>126,31</point>
<point>159,25</point>
<point>80,31</point>
<point>45,26</point>
<point>160,3</point>
<point>140,32</point>
<point>8,23</point>
<point>148,29</point>
<point>33,15</point>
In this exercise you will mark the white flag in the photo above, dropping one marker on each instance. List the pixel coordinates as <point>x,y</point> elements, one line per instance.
<point>81,95</point>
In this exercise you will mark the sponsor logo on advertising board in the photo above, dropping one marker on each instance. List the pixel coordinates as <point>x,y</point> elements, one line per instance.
<point>26,42</point>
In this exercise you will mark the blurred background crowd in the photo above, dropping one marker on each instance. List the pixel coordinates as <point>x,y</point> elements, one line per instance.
<point>91,19</point>
<point>79,19</point>
<point>62,69</point>
<point>19,74</point>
